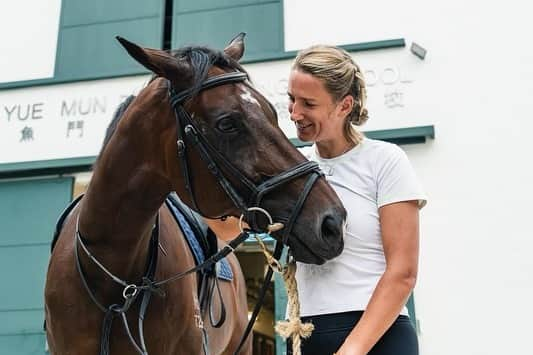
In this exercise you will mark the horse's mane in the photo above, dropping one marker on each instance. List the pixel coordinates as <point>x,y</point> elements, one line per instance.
<point>119,112</point>
<point>200,58</point>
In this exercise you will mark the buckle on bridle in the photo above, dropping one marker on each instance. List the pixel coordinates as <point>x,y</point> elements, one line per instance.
<point>181,147</point>
<point>271,228</point>
<point>129,291</point>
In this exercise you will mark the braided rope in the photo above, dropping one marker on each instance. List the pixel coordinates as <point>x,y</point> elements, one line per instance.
<point>293,328</point>
<point>271,261</point>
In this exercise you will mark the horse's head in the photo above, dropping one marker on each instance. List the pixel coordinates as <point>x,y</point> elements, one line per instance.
<point>227,152</point>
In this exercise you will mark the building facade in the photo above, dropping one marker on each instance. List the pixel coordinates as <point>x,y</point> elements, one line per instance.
<point>448,81</point>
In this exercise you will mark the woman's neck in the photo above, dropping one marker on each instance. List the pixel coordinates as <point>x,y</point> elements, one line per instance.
<point>333,148</point>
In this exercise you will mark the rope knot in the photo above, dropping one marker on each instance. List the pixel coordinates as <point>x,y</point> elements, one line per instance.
<point>294,327</point>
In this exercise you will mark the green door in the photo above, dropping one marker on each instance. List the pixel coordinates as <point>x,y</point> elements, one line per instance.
<point>28,212</point>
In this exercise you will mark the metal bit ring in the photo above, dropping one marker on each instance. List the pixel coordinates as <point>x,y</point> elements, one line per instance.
<point>258,209</point>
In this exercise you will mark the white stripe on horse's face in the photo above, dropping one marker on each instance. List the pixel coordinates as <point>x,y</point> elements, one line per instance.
<point>247,96</point>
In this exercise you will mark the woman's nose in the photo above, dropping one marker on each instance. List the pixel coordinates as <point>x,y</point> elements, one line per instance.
<point>294,112</point>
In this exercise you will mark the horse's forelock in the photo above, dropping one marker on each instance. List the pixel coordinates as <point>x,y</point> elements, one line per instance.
<point>201,59</point>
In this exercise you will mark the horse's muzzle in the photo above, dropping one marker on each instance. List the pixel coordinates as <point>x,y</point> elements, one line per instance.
<point>332,228</point>
<point>332,233</point>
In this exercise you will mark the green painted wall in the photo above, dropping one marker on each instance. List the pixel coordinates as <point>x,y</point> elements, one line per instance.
<point>280,307</point>
<point>214,23</point>
<point>28,212</point>
<point>87,47</point>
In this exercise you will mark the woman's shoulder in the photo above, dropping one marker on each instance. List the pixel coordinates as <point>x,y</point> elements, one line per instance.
<point>376,151</point>
<point>380,151</point>
<point>375,144</point>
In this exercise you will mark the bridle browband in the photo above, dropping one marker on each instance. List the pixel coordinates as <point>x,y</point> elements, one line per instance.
<point>187,132</point>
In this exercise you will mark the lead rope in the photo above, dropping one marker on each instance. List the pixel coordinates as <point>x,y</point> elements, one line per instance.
<point>293,328</point>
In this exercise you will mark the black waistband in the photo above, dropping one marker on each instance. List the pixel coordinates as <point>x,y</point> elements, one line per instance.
<point>339,320</point>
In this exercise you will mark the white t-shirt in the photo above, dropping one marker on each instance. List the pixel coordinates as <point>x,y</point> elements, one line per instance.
<point>371,175</point>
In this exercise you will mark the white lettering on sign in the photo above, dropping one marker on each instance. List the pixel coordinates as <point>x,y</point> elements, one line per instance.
<point>83,107</point>
<point>391,78</point>
<point>386,76</point>
<point>23,112</point>
<point>60,121</point>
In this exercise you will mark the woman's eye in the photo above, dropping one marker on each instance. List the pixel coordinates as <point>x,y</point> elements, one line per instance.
<point>226,125</point>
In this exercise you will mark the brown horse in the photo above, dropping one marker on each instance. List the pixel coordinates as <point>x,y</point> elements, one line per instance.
<point>149,153</point>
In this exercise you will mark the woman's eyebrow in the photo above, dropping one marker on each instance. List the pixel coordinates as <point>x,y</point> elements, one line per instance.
<point>303,98</point>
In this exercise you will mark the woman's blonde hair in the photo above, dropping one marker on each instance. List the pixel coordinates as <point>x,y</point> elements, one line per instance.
<point>341,77</point>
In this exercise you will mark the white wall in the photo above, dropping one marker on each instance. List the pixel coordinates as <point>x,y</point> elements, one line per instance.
<point>475,282</point>
<point>28,31</point>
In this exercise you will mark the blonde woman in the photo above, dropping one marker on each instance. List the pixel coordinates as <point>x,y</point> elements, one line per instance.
<point>357,300</point>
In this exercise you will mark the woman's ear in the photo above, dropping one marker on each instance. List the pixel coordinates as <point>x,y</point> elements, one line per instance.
<point>346,105</point>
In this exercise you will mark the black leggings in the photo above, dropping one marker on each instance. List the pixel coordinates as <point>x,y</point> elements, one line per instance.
<point>331,330</point>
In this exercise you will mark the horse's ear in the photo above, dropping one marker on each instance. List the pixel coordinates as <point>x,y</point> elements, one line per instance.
<point>155,60</point>
<point>235,48</point>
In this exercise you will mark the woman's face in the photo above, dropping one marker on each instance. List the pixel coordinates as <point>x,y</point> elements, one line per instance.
<point>313,110</point>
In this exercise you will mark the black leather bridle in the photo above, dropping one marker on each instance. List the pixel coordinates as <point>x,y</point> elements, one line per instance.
<point>256,192</point>
<point>216,162</point>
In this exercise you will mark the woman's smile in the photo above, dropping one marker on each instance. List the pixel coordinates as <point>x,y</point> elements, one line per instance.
<point>302,126</point>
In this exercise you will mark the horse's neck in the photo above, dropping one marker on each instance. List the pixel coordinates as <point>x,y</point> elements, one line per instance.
<point>130,181</point>
<point>120,207</point>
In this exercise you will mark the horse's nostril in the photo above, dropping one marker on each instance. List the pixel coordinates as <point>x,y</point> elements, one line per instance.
<point>331,228</point>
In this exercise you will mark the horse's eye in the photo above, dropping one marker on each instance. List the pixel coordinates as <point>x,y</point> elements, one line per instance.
<point>227,125</point>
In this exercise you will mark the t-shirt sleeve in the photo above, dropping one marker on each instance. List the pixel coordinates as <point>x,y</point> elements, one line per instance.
<point>396,178</point>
